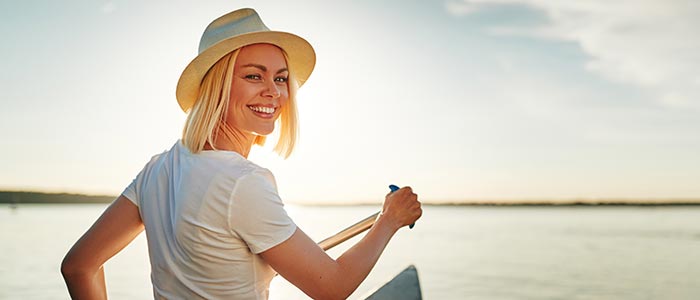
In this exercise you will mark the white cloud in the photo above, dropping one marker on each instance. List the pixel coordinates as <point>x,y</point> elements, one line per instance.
<point>459,8</point>
<point>652,44</point>
<point>109,7</point>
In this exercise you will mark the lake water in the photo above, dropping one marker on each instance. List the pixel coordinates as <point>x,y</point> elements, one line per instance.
<point>461,252</point>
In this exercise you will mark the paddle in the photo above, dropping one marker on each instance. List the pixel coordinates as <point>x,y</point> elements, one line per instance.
<point>354,229</point>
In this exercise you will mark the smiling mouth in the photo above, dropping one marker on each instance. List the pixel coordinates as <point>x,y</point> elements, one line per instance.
<point>262,109</point>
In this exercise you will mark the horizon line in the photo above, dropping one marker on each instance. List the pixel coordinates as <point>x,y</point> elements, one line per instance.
<point>525,201</point>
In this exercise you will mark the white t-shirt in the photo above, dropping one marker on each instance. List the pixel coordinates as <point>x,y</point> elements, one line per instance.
<point>207,216</point>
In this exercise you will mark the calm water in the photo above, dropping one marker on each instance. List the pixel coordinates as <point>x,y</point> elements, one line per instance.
<point>460,252</point>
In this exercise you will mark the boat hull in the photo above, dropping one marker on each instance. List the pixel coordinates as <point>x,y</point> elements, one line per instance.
<point>404,286</point>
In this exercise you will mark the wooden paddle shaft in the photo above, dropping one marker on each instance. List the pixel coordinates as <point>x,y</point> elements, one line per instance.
<point>349,232</point>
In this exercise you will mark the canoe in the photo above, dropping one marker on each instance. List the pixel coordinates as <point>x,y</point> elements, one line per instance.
<point>404,286</point>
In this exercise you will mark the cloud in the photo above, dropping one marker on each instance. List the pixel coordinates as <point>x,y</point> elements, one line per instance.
<point>459,8</point>
<point>109,7</point>
<point>651,44</point>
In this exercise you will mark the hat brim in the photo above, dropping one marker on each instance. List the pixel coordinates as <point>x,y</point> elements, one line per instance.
<point>301,55</point>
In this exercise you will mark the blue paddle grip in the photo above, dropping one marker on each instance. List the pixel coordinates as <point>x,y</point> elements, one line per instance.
<point>394,189</point>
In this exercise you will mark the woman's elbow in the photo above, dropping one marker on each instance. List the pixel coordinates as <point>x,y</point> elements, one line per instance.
<point>329,294</point>
<point>71,266</point>
<point>68,267</point>
<point>331,291</point>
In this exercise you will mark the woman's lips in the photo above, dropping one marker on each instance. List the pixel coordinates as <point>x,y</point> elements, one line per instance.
<point>265,112</point>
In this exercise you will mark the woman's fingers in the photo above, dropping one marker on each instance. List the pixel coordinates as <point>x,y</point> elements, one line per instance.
<point>403,206</point>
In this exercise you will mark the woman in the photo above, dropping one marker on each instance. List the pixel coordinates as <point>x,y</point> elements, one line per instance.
<point>215,225</point>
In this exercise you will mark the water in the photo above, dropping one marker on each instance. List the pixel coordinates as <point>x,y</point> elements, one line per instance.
<point>460,252</point>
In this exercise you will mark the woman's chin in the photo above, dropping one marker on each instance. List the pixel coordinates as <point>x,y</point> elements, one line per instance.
<point>264,131</point>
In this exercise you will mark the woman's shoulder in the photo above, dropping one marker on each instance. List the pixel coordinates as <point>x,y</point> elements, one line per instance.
<point>232,170</point>
<point>156,160</point>
<point>243,179</point>
<point>226,168</point>
<point>248,170</point>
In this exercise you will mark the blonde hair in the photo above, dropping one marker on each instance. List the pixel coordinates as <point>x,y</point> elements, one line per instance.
<point>206,118</point>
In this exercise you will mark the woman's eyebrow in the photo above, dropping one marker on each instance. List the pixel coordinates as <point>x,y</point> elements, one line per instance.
<point>263,68</point>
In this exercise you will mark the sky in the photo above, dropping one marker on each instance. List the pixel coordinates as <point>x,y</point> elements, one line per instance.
<point>462,100</point>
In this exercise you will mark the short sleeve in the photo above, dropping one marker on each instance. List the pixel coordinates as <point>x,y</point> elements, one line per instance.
<point>257,214</point>
<point>130,191</point>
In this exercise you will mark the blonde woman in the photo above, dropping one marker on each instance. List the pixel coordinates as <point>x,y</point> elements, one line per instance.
<point>215,225</point>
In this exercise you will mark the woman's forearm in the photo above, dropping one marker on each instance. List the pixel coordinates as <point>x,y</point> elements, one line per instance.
<point>356,263</point>
<point>303,263</point>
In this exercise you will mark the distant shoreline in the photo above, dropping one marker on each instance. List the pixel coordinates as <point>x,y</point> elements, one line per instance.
<point>20,197</point>
<point>26,197</point>
<point>523,204</point>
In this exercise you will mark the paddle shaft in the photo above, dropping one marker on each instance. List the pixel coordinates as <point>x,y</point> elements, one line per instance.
<point>354,229</point>
<point>349,232</point>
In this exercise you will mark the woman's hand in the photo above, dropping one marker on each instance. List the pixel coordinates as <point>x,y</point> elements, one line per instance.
<point>401,208</point>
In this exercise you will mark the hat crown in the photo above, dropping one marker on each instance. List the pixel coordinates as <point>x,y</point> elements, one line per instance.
<point>236,23</point>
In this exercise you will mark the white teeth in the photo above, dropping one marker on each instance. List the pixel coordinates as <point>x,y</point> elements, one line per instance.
<point>262,109</point>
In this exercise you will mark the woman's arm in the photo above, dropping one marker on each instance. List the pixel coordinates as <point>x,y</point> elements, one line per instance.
<point>301,261</point>
<point>82,266</point>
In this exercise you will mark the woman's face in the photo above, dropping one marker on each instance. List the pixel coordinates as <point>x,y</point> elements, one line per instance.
<point>258,90</point>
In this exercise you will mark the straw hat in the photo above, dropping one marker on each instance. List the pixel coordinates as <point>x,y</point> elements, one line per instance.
<point>234,30</point>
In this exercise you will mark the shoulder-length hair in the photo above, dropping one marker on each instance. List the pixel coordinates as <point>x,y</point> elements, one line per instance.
<point>207,114</point>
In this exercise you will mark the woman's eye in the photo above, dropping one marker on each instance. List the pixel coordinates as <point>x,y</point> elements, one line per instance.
<point>281,79</point>
<point>252,77</point>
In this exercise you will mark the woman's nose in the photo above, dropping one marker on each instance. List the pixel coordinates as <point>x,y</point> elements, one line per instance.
<point>272,90</point>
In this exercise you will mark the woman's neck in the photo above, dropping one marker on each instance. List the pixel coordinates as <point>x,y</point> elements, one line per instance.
<point>232,139</point>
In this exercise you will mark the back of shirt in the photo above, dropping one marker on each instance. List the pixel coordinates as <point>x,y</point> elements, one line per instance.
<point>206,218</point>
